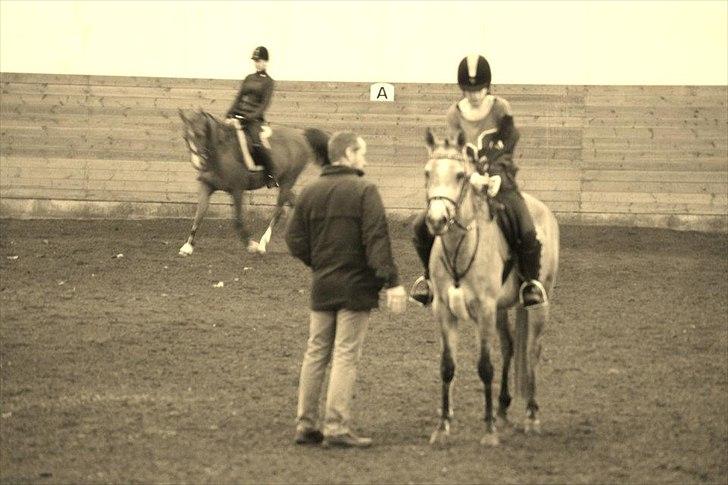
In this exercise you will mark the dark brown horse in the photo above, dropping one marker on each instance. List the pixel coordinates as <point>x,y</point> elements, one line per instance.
<point>216,154</point>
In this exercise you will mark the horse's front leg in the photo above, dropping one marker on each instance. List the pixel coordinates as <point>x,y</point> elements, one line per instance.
<point>238,222</point>
<point>203,201</point>
<point>486,327</point>
<point>506,342</point>
<point>449,341</point>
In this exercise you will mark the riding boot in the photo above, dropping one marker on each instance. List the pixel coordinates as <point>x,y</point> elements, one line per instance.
<point>263,155</point>
<point>529,258</point>
<point>421,291</point>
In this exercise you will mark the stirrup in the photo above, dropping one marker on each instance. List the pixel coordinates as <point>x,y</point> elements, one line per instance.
<point>418,297</point>
<point>539,286</point>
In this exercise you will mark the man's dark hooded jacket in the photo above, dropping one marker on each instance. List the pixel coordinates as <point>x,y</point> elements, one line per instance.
<point>339,229</point>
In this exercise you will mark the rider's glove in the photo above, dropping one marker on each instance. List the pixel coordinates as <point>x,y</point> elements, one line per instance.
<point>479,182</point>
<point>494,185</point>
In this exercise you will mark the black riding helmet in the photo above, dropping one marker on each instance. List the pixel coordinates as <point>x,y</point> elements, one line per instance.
<point>260,53</point>
<point>473,73</point>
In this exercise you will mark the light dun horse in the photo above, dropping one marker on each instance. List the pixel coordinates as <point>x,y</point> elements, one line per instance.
<point>466,268</point>
<point>216,154</point>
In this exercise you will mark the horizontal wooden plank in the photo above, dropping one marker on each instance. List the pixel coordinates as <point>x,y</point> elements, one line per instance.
<point>652,187</point>
<point>655,176</point>
<point>661,133</point>
<point>647,198</point>
<point>650,208</point>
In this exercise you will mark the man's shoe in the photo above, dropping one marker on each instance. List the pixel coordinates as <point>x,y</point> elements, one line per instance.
<point>347,440</point>
<point>421,292</point>
<point>308,437</point>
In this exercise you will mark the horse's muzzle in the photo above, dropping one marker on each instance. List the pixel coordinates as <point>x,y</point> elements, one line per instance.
<point>437,218</point>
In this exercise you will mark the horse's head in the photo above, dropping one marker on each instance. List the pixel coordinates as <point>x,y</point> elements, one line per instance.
<point>447,176</point>
<point>196,133</point>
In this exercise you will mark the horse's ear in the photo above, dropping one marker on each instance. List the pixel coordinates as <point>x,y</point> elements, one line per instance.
<point>460,139</point>
<point>430,139</point>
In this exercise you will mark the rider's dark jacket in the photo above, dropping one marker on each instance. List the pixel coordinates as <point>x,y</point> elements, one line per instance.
<point>483,126</point>
<point>253,97</point>
<point>339,230</point>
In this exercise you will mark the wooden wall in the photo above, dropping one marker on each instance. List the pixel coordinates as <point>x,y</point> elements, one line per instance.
<point>85,146</point>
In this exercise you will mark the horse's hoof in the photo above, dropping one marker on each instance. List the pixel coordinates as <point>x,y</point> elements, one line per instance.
<point>490,439</point>
<point>503,423</point>
<point>186,250</point>
<point>532,426</point>
<point>253,247</point>
<point>441,435</point>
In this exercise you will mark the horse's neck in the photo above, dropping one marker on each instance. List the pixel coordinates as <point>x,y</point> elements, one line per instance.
<point>482,230</point>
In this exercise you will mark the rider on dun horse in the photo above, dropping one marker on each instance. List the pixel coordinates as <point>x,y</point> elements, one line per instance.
<point>487,122</point>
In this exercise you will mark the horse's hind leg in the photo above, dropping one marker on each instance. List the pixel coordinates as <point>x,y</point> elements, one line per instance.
<point>285,197</point>
<point>238,222</point>
<point>534,323</point>
<point>449,340</point>
<point>203,201</point>
<point>504,399</point>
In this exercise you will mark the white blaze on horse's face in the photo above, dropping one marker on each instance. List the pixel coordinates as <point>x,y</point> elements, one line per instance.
<point>444,187</point>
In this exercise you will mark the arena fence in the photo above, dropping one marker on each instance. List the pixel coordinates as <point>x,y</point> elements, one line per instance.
<point>94,146</point>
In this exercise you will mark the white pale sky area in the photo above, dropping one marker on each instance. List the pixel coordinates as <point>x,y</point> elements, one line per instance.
<point>526,42</point>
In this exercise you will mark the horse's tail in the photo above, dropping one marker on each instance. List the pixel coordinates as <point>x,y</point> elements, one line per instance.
<point>527,347</point>
<point>319,141</point>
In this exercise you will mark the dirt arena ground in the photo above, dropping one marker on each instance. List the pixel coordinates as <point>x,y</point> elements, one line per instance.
<point>137,369</point>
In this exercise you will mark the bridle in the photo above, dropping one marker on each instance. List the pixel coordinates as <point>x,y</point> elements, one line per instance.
<point>200,151</point>
<point>454,219</point>
<point>453,216</point>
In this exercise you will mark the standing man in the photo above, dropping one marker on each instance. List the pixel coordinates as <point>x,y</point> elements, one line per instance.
<point>339,230</point>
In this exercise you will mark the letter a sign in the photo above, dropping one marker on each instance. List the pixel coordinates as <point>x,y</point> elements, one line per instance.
<point>381,92</point>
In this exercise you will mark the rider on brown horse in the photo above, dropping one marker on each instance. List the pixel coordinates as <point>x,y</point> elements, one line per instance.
<point>487,122</point>
<point>248,110</point>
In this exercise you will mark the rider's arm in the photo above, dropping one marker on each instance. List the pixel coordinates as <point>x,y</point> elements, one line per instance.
<point>500,155</point>
<point>233,106</point>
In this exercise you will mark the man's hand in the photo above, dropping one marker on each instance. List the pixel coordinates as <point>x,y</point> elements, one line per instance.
<point>396,299</point>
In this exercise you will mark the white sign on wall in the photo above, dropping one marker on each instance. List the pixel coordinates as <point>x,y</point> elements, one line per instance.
<point>381,92</point>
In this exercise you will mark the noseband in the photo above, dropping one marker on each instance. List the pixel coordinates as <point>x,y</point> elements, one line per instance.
<point>453,217</point>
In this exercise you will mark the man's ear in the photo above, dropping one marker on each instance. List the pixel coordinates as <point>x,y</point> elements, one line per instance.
<point>460,139</point>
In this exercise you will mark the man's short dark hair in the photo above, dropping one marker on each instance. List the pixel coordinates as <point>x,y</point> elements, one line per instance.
<point>339,142</point>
